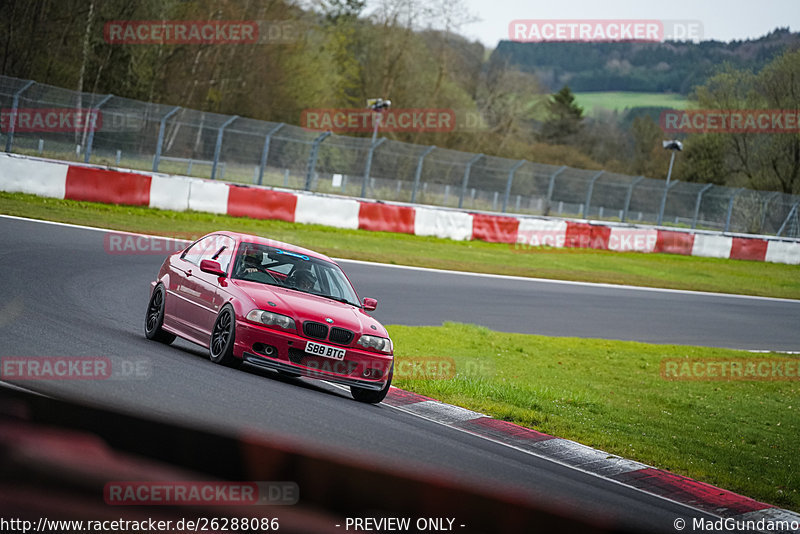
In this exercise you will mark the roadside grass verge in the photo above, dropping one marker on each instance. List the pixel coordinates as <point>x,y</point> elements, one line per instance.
<point>739,435</point>
<point>586,265</point>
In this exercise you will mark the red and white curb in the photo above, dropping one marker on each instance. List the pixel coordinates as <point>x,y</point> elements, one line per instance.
<point>734,508</point>
<point>72,181</point>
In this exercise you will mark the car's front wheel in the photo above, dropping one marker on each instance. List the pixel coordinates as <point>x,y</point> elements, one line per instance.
<point>222,338</point>
<point>370,395</point>
<point>154,319</point>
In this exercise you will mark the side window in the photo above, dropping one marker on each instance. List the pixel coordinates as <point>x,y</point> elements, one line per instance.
<point>221,252</point>
<point>195,253</point>
<point>213,247</point>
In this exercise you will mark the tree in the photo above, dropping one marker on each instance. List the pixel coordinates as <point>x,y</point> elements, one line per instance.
<point>564,118</point>
<point>768,161</point>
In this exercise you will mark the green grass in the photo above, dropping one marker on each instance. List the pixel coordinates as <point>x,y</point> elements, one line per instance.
<point>620,100</point>
<point>739,435</point>
<point>651,270</point>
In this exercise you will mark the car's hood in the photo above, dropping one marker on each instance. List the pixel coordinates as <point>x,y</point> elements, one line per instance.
<point>306,307</point>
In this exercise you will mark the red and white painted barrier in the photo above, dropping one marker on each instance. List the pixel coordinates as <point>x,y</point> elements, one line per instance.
<point>448,224</point>
<point>82,182</point>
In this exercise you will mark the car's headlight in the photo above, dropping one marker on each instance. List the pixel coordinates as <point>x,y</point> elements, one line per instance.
<point>271,319</point>
<point>381,344</point>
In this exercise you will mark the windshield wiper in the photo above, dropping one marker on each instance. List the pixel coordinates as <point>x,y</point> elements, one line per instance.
<point>338,299</point>
<point>331,297</point>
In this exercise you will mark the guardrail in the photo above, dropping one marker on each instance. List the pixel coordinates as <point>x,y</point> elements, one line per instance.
<point>147,136</point>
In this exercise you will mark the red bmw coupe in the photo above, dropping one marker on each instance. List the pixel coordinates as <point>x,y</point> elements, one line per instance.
<point>272,305</point>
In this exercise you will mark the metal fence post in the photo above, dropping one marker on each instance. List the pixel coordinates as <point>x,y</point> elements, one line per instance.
<point>551,186</point>
<point>265,152</point>
<point>764,206</point>
<point>368,165</point>
<point>218,148</point>
<point>90,141</point>
<point>788,218</point>
<point>13,115</point>
<point>312,158</point>
<point>162,127</point>
<point>697,204</point>
<point>628,197</point>
<point>465,182</point>
<point>667,189</point>
<point>589,192</point>
<point>511,172</point>
<point>418,174</point>
<point>730,208</point>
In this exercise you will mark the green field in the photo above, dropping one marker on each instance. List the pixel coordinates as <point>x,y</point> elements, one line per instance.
<point>739,435</point>
<point>621,100</point>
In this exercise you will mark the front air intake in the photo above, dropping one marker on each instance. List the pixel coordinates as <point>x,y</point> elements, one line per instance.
<point>341,336</point>
<point>315,330</point>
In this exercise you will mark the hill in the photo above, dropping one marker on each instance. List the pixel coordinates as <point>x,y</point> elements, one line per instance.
<point>668,67</point>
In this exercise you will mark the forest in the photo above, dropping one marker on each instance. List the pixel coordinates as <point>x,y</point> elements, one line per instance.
<point>338,54</point>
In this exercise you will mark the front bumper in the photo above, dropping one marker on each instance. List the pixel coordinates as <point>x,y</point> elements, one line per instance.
<point>360,368</point>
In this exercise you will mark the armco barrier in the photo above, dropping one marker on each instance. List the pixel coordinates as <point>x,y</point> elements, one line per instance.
<point>448,224</point>
<point>85,182</point>
<point>494,229</point>
<point>208,196</point>
<point>585,235</point>
<point>328,211</point>
<point>382,217</point>
<point>261,203</point>
<point>748,249</point>
<point>170,193</point>
<point>43,178</point>
<point>624,239</point>
<point>110,187</point>
<point>712,246</point>
<point>670,242</point>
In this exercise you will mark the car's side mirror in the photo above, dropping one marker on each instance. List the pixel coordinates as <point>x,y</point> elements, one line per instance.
<point>370,304</point>
<point>212,267</point>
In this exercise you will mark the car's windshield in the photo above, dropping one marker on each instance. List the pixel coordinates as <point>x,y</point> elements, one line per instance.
<point>279,267</point>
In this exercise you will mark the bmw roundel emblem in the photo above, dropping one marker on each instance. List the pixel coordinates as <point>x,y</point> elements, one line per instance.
<point>328,320</point>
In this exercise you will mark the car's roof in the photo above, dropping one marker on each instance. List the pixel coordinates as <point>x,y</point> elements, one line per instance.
<point>250,238</point>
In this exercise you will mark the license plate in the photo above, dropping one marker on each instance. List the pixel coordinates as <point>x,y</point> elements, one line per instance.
<point>324,350</point>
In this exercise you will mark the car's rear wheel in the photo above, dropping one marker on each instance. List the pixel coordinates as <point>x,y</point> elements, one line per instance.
<point>154,319</point>
<point>370,395</point>
<point>222,338</point>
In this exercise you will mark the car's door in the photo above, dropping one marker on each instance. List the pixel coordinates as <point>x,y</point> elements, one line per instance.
<point>185,288</point>
<point>210,288</point>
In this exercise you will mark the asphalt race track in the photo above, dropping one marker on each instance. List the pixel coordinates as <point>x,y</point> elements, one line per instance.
<point>64,295</point>
<point>423,297</point>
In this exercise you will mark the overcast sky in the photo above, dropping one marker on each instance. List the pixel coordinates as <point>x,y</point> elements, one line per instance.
<point>723,20</point>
